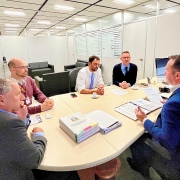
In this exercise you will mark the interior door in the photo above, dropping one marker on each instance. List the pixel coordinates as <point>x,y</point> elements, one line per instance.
<point>134,41</point>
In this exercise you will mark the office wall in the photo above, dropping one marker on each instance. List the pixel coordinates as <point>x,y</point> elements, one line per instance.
<point>58,52</point>
<point>168,39</point>
<point>13,46</point>
<point>149,69</point>
<point>34,49</point>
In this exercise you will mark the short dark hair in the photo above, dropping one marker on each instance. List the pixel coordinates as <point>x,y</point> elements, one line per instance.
<point>92,58</point>
<point>176,65</point>
<point>125,52</point>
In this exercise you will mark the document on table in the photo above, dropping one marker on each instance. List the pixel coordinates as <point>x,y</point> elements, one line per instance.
<point>118,91</point>
<point>152,94</point>
<point>35,119</point>
<point>129,108</point>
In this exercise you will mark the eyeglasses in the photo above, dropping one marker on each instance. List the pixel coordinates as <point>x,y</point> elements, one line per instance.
<point>125,57</point>
<point>22,67</point>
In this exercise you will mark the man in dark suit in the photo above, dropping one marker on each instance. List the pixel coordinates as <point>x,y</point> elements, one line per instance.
<point>125,73</point>
<point>18,153</point>
<point>165,132</point>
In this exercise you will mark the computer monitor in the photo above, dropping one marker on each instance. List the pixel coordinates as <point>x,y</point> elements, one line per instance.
<point>160,68</point>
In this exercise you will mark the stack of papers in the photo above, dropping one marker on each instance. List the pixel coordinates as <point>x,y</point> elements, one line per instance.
<point>118,91</point>
<point>78,126</point>
<point>106,122</point>
<point>129,108</point>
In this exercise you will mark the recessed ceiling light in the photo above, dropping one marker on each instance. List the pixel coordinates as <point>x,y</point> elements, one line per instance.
<point>12,25</point>
<point>60,27</point>
<point>34,29</point>
<point>11,29</point>
<point>14,13</point>
<point>44,22</point>
<point>64,8</point>
<point>70,31</point>
<point>127,2</point>
<point>80,19</point>
<point>169,11</point>
<point>150,6</point>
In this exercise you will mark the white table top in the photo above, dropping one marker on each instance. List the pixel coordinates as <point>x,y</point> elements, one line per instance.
<point>63,154</point>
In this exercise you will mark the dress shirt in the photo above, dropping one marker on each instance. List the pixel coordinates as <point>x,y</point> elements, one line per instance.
<point>84,79</point>
<point>123,68</point>
<point>25,121</point>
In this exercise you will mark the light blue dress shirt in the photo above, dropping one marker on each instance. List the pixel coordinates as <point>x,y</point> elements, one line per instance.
<point>123,68</point>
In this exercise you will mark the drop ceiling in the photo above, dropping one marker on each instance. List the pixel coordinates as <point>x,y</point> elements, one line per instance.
<point>43,10</point>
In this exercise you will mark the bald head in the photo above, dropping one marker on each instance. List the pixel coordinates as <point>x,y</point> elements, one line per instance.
<point>18,68</point>
<point>14,62</point>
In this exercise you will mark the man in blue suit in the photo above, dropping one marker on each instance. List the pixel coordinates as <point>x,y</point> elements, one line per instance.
<point>125,73</point>
<point>165,132</point>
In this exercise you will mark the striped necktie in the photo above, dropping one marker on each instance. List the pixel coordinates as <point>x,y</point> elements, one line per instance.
<point>92,81</point>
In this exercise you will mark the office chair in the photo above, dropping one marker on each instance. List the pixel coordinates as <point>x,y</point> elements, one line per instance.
<point>163,153</point>
<point>72,79</point>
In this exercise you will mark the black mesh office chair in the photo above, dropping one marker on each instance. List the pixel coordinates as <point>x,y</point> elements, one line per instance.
<point>72,79</point>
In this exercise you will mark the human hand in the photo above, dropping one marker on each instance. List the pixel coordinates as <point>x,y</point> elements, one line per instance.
<point>140,114</point>
<point>100,90</point>
<point>47,104</point>
<point>22,111</point>
<point>124,85</point>
<point>35,130</point>
<point>163,101</point>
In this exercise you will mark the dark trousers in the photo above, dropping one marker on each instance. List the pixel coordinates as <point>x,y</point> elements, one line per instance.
<point>146,157</point>
<point>53,175</point>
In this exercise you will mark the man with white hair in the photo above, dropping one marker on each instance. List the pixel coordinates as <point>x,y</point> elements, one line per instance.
<point>18,153</point>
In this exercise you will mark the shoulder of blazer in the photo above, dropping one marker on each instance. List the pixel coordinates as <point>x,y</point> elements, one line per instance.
<point>117,66</point>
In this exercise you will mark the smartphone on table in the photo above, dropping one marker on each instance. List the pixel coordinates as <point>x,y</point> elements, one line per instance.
<point>73,95</point>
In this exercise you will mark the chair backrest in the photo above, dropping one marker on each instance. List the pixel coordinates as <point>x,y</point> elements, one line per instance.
<point>55,83</point>
<point>37,65</point>
<point>72,79</point>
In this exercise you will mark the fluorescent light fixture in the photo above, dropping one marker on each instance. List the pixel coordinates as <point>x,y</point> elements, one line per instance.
<point>11,29</point>
<point>127,2</point>
<point>80,19</point>
<point>14,13</point>
<point>169,11</point>
<point>12,25</point>
<point>44,22</point>
<point>150,6</point>
<point>70,31</point>
<point>64,8</point>
<point>34,29</point>
<point>60,27</point>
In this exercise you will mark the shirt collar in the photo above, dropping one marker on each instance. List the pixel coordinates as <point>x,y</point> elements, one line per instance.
<point>123,67</point>
<point>21,83</point>
<point>1,110</point>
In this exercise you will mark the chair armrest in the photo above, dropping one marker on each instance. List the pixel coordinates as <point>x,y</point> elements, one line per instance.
<point>51,66</point>
<point>38,81</point>
<point>71,66</point>
<point>158,148</point>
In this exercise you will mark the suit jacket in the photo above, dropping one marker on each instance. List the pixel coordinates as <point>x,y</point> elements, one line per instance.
<point>166,130</point>
<point>119,77</point>
<point>18,154</point>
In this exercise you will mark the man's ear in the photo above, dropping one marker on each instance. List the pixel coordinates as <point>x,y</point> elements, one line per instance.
<point>1,99</point>
<point>177,76</point>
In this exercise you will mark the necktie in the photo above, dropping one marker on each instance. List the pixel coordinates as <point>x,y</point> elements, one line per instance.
<point>126,70</point>
<point>92,81</point>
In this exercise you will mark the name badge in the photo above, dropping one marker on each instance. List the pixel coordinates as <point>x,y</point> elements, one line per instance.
<point>27,100</point>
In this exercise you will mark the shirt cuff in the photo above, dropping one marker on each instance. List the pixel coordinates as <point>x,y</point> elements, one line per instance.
<point>38,134</point>
<point>144,120</point>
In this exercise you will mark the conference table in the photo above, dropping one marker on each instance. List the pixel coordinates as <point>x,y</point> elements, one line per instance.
<point>63,154</point>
